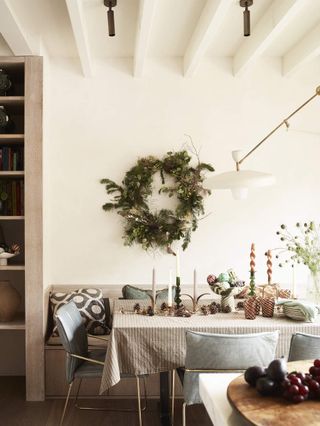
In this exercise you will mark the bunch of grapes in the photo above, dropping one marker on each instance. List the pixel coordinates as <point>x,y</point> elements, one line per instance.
<point>298,387</point>
<point>295,386</point>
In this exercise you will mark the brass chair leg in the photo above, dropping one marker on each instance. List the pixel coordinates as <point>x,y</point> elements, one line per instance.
<point>173,385</point>
<point>184,420</point>
<point>139,401</point>
<point>66,404</point>
<point>129,410</point>
<point>77,394</point>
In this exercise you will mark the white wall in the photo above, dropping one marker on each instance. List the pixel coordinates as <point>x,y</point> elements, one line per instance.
<point>100,126</point>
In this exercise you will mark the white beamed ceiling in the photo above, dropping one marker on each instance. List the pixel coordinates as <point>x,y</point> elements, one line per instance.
<point>166,30</point>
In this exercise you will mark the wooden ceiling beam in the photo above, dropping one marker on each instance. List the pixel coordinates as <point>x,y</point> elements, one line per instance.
<point>271,24</point>
<point>303,52</point>
<point>209,23</point>
<point>76,14</point>
<point>144,25</point>
<point>12,31</point>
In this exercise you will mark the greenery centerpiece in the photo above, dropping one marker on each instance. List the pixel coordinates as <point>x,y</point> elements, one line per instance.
<point>303,247</point>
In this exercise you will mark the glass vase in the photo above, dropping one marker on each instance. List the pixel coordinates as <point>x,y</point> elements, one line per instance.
<point>313,291</point>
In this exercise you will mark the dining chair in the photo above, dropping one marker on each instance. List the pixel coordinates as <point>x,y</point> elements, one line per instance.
<point>221,353</point>
<point>82,363</point>
<point>304,346</point>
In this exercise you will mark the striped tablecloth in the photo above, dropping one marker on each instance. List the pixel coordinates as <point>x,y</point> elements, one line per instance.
<point>143,345</point>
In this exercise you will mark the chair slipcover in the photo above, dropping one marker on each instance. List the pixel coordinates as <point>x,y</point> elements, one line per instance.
<point>224,352</point>
<point>73,335</point>
<point>304,346</point>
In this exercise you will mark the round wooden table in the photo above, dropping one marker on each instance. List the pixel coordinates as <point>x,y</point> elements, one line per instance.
<point>267,410</point>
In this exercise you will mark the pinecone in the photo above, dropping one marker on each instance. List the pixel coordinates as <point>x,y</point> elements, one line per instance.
<point>150,311</point>
<point>213,309</point>
<point>204,309</point>
<point>137,308</point>
<point>227,310</point>
<point>240,305</point>
<point>180,312</point>
<point>164,306</point>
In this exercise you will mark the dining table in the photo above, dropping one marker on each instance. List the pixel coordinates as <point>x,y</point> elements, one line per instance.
<point>143,344</point>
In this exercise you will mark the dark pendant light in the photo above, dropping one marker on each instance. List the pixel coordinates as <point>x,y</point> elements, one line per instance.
<point>246,16</point>
<point>110,4</point>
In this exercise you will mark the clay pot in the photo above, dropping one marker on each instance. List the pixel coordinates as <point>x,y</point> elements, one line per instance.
<point>9,301</point>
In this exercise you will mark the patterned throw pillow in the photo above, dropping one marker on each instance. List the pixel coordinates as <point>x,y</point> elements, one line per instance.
<point>90,304</point>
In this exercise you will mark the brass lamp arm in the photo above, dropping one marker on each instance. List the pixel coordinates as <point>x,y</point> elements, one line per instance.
<point>284,122</point>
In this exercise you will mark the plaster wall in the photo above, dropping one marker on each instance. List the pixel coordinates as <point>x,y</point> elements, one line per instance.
<point>99,126</point>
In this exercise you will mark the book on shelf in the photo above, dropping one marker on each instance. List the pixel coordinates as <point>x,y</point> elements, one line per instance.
<point>11,158</point>
<point>11,197</point>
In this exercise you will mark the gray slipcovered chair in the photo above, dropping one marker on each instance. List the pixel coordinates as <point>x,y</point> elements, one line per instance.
<point>80,362</point>
<point>217,353</point>
<point>304,346</point>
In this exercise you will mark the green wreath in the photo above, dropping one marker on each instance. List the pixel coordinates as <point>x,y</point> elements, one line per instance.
<point>159,229</point>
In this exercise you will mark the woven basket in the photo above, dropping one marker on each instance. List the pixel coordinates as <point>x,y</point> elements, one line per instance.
<point>250,308</point>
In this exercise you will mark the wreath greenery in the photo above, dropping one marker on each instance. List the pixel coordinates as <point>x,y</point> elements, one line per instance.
<point>159,229</point>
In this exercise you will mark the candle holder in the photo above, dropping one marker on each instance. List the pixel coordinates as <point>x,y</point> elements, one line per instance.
<point>177,297</point>
<point>195,300</point>
<point>153,302</point>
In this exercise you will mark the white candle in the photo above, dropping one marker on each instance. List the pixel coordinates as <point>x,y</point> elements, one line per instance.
<point>154,284</point>
<point>195,285</point>
<point>170,289</point>
<point>178,263</point>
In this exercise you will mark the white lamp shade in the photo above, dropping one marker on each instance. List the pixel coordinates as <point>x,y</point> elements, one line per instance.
<point>240,179</point>
<point>239,193</point>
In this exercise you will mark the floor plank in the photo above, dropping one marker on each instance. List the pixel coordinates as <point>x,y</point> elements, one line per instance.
<point>15,411</point>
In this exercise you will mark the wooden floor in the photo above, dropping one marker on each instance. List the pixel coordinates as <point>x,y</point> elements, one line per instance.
<point>15,411</point>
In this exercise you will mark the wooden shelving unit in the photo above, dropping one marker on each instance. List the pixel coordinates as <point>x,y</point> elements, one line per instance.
<point>24,106</point>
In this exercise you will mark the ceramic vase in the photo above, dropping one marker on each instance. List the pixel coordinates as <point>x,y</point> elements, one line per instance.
<point>228,302</point>
<point>9,301</point>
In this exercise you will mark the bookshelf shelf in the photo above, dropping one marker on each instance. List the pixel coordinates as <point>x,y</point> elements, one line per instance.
<point>14,138</point>
<point>16,173</point>
<point>17,324</point>
<point>12,268</point>
<point>11,217</point>
<point>12,100</point>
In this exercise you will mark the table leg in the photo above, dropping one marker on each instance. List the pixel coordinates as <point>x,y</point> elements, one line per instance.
<point>164,398</point>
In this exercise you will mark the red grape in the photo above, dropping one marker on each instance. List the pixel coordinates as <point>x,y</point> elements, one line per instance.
<point>295,380</point>
<point>294,389</point>
<point>313,385</point>
<point>316,363</point>
<point>301,376</point>
<point>303,390</point>
<point>315,371</point>
<point>297,398</point>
